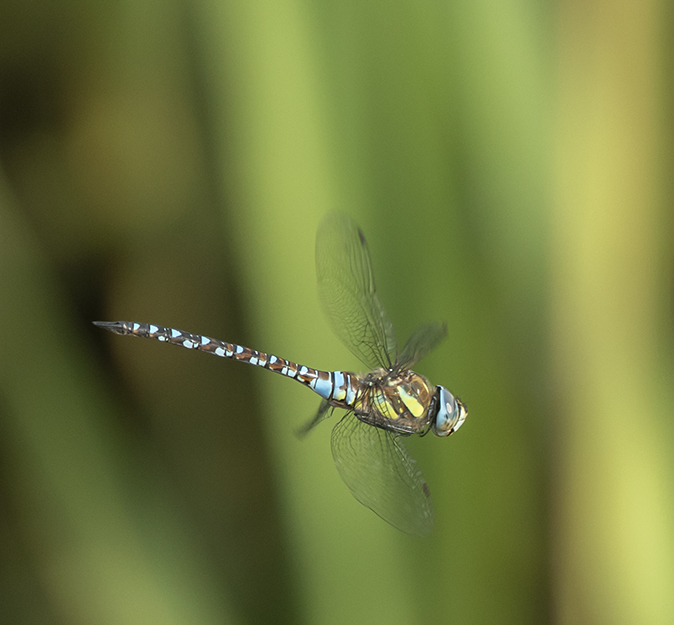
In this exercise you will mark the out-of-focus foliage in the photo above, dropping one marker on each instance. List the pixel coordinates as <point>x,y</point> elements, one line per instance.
<point>169,162</point>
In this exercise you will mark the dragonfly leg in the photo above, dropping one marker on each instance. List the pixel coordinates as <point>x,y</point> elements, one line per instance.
<point>324,412</point>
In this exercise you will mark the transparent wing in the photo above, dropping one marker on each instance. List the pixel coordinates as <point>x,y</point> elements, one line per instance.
<point>423,341</point>
<point>376,467</point>
<point>348,294</point>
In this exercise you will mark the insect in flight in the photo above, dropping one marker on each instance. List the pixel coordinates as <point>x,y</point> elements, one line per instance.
<point>383,406</point>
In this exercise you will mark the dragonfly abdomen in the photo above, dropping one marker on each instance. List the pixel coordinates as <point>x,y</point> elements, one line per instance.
<point>335,386</point>
<point>340,388</point>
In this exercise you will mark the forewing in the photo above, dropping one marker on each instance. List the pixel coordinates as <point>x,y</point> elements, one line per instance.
<point>347,292</point>
<point>423,341</point>
<point>381,475</point>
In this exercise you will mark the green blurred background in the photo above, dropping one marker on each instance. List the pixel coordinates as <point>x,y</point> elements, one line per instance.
<point>510,162</point>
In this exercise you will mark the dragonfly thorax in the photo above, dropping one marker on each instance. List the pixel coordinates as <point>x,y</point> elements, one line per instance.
<point>398,401</point>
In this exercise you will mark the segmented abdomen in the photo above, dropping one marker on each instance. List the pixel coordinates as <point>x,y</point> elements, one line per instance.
<point>335,386</point>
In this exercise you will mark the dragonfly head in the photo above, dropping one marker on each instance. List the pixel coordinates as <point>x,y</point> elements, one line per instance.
<point>450,415</point>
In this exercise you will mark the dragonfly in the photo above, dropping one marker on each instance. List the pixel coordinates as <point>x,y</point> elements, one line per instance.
<point>383,406</point>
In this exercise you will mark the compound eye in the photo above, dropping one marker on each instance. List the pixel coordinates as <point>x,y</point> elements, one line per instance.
<point>451,413</point>
<point>447,413</point>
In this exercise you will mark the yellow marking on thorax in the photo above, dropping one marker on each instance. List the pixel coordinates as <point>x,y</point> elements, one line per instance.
<point>383,405</point>
<point>412,404</point>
